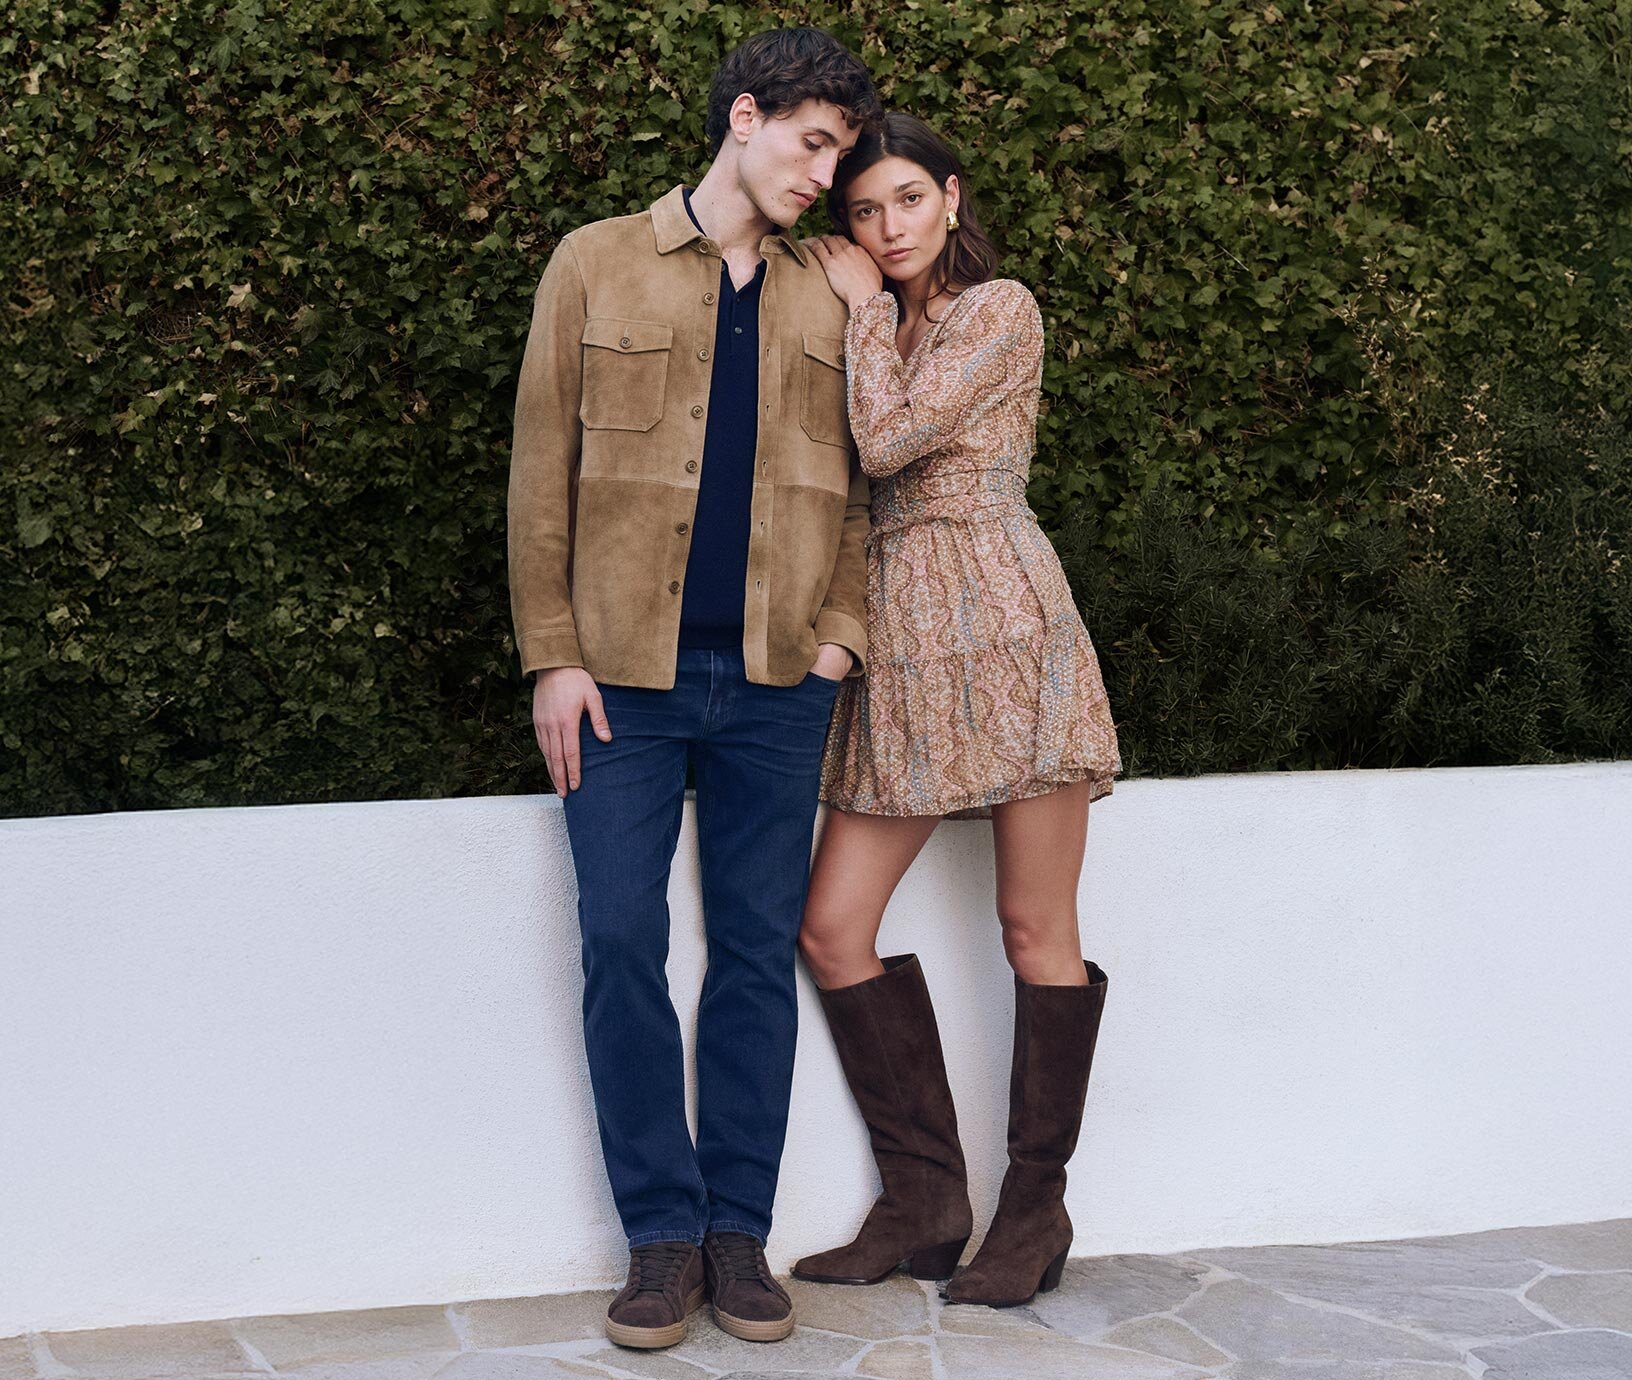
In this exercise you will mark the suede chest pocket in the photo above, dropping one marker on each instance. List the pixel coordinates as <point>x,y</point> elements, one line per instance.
<point>823,407</point>
<point>626,373</point>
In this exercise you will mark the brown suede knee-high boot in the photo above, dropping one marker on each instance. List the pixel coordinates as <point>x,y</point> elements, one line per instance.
<point>890,1049</point>
<point>1025,1249</point>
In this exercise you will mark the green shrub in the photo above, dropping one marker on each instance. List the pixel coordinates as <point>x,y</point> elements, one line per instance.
<point>1487,619</point>
<point>269,270</point>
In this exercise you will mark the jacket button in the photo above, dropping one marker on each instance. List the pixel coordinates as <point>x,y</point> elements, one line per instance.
<point>691,467</point>
<point>674,586</point>
<point>682,528</point>
<point>708,298</point>
<point>697,411</point>
<point>702,354</point>
<point>624,342</point>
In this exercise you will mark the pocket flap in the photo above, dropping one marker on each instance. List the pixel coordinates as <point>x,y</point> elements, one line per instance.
<point>629,337</point>
<point>827,348</point>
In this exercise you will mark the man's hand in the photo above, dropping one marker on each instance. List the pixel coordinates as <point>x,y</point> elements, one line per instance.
<point>833,662</point>
<point>560,697</point>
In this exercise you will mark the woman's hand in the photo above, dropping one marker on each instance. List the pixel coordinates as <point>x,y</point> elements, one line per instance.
<point>850,269</point>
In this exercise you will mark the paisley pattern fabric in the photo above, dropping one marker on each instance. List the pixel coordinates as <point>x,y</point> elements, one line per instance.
<point>982,685</point>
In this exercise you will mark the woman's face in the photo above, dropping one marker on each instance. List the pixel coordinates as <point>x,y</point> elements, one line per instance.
<point>897,214</point>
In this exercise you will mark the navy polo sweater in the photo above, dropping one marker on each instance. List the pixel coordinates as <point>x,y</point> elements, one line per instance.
<point>717,566</point>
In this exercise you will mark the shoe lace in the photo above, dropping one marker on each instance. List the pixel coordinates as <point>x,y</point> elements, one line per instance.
<point>658,1265</point>
<point>737,1256</point>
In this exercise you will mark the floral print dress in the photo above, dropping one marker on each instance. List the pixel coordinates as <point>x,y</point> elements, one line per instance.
<point>982,685</point>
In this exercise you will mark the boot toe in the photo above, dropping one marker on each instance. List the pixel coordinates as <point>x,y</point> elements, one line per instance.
<point>978,1291</point>
<point>844,1265</point>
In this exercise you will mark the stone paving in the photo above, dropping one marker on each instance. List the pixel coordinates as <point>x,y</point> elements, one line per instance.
<point>1527,1303</point>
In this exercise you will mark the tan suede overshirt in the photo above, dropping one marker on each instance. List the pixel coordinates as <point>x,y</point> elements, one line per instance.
<point>611,409</point>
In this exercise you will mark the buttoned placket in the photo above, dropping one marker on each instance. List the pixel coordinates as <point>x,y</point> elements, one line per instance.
<point>756,594</point>
<point>702,373</point>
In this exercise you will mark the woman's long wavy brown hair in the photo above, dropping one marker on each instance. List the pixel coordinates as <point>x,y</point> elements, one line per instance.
<point>969,257</point>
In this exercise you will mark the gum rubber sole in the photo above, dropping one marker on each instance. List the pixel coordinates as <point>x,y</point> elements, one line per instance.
<point>751,1331</point>
<point>649,1338</point>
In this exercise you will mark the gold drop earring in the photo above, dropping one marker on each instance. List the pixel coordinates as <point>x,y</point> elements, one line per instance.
<point>952,220</point>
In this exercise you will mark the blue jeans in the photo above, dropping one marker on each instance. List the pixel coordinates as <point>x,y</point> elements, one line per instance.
<point>756,753</point>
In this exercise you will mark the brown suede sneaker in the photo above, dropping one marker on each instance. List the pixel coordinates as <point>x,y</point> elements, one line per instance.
<point>665,1287</point>
<point>748,1303</point>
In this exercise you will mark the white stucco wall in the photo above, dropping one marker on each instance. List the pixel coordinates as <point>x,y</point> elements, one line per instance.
<point>326,1057</point>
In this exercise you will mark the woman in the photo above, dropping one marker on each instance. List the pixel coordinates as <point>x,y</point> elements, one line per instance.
<point>983,699</point>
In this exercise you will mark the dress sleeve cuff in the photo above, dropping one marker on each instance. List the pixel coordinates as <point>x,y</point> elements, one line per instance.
<point>878,314</point>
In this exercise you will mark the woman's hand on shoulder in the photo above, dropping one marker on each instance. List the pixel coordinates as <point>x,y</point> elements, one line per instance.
<point>850,269</point>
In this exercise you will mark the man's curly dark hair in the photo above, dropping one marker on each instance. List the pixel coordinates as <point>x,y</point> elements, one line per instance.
<point>780,68</point>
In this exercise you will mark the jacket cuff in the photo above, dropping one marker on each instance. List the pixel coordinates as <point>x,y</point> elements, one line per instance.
<point>544,651</point>
<point>833,626</point>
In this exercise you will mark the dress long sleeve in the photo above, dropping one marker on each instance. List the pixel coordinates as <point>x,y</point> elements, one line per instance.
<point>902,411</point>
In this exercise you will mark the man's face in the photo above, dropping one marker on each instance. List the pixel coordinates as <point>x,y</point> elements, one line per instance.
<point>789,159</point>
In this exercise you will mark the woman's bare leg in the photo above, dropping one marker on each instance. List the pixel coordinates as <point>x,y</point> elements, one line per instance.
<point>1040,844</point>
<point>859,861</point>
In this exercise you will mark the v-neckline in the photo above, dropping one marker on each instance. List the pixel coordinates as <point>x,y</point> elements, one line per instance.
<point>935,326</point>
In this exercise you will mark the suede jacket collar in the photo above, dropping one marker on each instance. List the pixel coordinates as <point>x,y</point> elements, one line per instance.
<point>675,230</point>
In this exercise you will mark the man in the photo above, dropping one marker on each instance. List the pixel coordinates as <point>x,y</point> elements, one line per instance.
<point>686,523</point>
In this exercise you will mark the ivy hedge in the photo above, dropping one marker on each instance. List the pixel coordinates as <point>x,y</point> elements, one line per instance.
<point>268,275</point>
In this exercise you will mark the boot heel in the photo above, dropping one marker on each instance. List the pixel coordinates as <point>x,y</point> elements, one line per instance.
<point>1051,1276</point>
<point>936,1262</point>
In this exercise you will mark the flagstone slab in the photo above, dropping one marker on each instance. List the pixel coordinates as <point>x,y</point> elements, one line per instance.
<point>1560,1356</point>
<point>1575,1245</point>
<point>156,1352</point>
<point>492,1323</point>
<point>1337,1271</point>
<point>1257,1324</point>
<point>987,1358</point>
<point>419,1366</point>
<point>977,1320</point>
<point>1586,1300</point>
<point>894,1308</point>
<point>898,1361</point>
<point>17,1359</point>
<point>789,1375</point>
<point>807,1349</point>
<point>1436,1287</point>
<point>304,1339</point>
<point>667,1364</point>
<point>1348,1370</point>
<point>1167,1337</point>
<point>1099,1292</point>
<point>1454,1315</point>
<point>508,1365</point>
